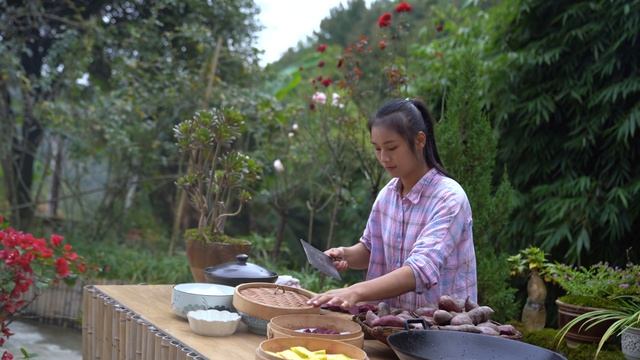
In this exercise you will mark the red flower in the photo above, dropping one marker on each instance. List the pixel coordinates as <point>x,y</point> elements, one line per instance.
<point>321,48</point>
<point>320,63</point>
<point>62,267</point>
<point>382,44</point>
<point>56,240</point>
<point>7,356</point>
<point>440,26</point>
<point>384,20</point>
<point>82,268</point>
<point>403,7</point>
<point>327,82</point>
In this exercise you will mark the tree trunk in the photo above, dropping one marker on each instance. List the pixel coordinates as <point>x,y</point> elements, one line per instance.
<point>23,152</point>
<point>282,225</point>
<point>332,223</point>
<point>56,177</point>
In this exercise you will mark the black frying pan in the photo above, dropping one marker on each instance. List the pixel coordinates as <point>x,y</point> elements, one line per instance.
<point>456,345</point>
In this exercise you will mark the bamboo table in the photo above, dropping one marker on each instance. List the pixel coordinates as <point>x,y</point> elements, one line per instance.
<point>136,322</point>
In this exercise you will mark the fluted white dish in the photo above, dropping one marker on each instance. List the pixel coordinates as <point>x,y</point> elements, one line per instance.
<point>200,296</point>
<point>213,322</point>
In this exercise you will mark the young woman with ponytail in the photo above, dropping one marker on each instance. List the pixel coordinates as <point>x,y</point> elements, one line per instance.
<point>418,243</point>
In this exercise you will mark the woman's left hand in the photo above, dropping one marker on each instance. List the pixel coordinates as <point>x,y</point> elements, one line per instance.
<point>345,297</point>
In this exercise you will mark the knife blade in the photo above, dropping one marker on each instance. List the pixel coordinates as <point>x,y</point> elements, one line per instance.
<point>320,260</point>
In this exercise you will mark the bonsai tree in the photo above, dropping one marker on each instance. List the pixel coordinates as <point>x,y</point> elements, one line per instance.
<point>531,262</point>
<point>219,177</point>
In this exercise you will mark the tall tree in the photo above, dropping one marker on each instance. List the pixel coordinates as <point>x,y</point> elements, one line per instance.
<point>570,126</point>
<point>113,76</point>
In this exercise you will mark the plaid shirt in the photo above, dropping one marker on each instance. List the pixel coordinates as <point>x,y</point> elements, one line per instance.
<point>429,230</point>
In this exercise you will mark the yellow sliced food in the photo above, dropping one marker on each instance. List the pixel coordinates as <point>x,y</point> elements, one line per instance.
<point>290,355</point>
<point>303,352</point>
<point>320,352</point>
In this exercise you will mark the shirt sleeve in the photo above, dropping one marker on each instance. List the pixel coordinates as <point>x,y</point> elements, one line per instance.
<point>437,241</point>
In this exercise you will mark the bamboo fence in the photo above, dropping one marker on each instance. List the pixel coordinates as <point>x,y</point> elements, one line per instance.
<point>110,331</point>
<point>60,304</point>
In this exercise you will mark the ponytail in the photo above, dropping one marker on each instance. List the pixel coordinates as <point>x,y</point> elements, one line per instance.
<point>430,149</point>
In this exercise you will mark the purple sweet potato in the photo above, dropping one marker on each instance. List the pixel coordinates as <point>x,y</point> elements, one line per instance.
<point>448,303</point>
<point>489,324</point>
<point>488,331</point>
<point>461,319</point>
<point>469,305</point>
<point>428,320</point>
<point>425,311</point>
<point>405,315</point>
<point>480,314</point>
<point>442,317</point>
<point>388,320</point>
<point>465,328</point>
<point>507,330</point>
<point>370,318</point>
<point>383,309</point>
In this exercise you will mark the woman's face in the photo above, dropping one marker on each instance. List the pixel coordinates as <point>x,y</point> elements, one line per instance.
<point>393,152</point>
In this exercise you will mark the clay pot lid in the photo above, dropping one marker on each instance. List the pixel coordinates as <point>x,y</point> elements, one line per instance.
<point>239,269</point>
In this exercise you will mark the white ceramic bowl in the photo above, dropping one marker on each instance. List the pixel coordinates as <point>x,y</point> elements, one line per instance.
<point>213,322</point>
<point>200,296</point>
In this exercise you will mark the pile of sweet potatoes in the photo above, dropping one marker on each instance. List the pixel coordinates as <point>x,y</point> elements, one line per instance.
<point>448,314</point>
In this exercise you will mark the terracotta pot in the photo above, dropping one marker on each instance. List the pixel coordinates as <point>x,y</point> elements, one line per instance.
<point>568,312</point>
<point>631,343</point>
<point>201,255</point>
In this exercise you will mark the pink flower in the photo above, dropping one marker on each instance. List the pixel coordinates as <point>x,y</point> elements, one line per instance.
<point>319,97</point>
<point>321,48</point>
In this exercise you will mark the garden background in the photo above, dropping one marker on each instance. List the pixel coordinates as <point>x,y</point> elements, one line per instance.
<point>537,106</point>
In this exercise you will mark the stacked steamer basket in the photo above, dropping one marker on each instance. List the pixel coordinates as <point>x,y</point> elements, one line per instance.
<point>345,330</point>
<point>258,303</point>
<point>268,348</point>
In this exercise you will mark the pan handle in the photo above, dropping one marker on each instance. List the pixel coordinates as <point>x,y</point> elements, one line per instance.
<point>408,322</point>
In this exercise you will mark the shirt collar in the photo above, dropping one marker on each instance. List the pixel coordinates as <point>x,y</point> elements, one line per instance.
<point>418,188</point>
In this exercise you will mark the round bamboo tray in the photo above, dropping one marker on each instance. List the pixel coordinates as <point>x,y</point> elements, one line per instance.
<point>266,301</point>
<point>311,343</point>
<point>286,326</point>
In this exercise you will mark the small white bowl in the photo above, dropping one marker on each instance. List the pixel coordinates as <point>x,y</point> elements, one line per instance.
<point>200,296</point>
<point>213,322</point>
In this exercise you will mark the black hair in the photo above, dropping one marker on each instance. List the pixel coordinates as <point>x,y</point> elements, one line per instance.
<point>407,118</point>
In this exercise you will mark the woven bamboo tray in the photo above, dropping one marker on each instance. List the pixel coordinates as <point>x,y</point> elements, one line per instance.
<point>286,326</point>
<point>265,300</point>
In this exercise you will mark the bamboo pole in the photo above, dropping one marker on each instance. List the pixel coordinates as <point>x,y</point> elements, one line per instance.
<point>107,342</point>
<point>97,315</point>
<point>115,332</point>
<point>141,327</point>
<point>131,339</point>
<point>86,321</point>
<point>122,319</point>
<point>174,347</point>
<point>150,349</point>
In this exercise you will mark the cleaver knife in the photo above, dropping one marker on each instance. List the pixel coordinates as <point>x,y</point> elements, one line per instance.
<point>320,260</point>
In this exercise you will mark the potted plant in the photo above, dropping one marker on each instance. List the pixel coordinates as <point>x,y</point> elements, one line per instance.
<point>531,263</point>
<point>624,317</point>
<point>590,289</point>
<point>218,183</point>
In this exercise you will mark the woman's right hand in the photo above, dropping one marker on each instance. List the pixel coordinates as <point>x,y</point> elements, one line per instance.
<point>338,257</point>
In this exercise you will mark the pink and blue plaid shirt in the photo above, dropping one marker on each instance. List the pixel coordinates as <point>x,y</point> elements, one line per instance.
<point>429,230</point>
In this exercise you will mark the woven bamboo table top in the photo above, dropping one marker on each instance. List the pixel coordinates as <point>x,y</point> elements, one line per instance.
<point>153,303</point>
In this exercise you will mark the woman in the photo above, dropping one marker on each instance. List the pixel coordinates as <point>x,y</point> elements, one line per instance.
<point>418,243</point>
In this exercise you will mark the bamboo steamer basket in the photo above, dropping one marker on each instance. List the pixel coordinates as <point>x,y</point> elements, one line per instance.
<point>266,301</point>
<point>286,326</point>
<point>311,343</point>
